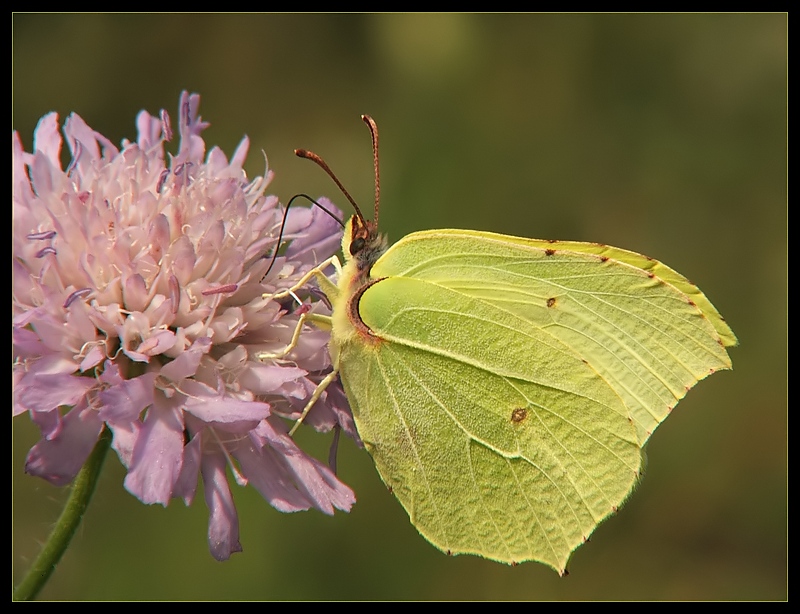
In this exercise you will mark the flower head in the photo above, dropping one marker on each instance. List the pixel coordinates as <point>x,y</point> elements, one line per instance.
<point>138,282</point>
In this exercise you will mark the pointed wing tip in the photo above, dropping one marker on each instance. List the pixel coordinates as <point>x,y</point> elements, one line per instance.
<point>729,339</point>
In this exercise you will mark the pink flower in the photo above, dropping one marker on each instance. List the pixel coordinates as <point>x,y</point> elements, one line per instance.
<point>137,303</point>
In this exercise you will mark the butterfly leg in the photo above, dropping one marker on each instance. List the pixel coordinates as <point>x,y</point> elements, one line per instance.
<point>322,322</point>
<point>331,291</point>
<point>314,398</point>
<point>326,285</point>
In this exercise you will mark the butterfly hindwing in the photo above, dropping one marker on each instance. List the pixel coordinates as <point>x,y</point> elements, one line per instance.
<point>496,438</point>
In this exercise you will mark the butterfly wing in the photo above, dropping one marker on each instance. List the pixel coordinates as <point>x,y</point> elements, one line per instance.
<point>511,384</point>
<point>648,331</point>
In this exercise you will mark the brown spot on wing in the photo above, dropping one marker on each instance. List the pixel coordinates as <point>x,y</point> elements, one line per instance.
<point>518,415</point>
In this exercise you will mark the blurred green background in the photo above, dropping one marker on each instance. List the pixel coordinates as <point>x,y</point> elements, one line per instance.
<point>663,134</point>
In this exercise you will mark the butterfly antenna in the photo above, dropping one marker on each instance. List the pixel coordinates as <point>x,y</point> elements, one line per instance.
<point>310,155</point>
<point>373,129</point>
<point>283,226</point>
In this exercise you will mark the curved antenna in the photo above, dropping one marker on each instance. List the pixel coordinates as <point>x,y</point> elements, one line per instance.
<point>283,226</point>
<point>310,155</point>
<point>373,129</point>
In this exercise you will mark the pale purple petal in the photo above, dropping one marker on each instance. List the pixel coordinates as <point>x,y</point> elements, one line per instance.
<point>182,258</point>
<point>228,325</point>
<point>26,343</point>
<point>134,293</point>
<point>186,486</point>
<point>93,357</point>
<point>240,154</point>
<point>157,455</point>
<point>158,343</point>
<point>216,160</point>
<point>186,364</point>
<point>78,319</point>
<point>319,240</point>
<point>331,410</point>
<point>223,523</point>
<point>190,126</point>
<point>45,176</point>
<point>78,131</point>
<point>159,236</point>
<point>337,402</point>
<point>125,434</point>
<point>21,189</point>
<point>205,403</point>
<point>53,364</point>
<point>58,460</point>
<point>311,477</point>
<point>47,139</point>
<point>149,129</point>
<point>126,400</point>
<point>49,422</point>
<point>111,374</point>
<point>42,392</point>
<point>262,378</point>
<point>265,471</point>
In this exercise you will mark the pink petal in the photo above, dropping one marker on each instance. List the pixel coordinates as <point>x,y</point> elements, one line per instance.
<point>111,374</point>
<point>40,392</point>
<point>265,472</point>
<point>21,191</point>
<point>149,130</point>
<point>182,258</point>
<point>126,400</point>
<point>186,364</point>
<point>157,455</point>
<point>26,343</point>
<point>78,131</point>
<point>313,478</point>
<point>58,460</point>
<point>47,138</point>
<point>93,358</point>
<point>240,155</point>
<point>156,344</point>
<point>125,434</point>
<point>318,241</point>
<point>49,422</point>
<point>224,409</point>
<point>134,293</point>
<point>261,378</point>
<point>186,486</point>
<point>223,522</point>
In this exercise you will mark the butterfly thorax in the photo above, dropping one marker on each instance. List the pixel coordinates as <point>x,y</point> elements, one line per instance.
<point>362,246</point>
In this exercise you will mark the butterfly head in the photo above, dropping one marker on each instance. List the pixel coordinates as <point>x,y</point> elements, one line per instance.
<point>362,242</point>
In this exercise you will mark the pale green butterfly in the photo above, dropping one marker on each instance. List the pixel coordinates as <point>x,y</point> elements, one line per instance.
<point>505,387</point>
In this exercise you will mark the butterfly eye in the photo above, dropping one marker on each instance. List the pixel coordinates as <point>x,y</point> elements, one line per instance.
<point>356,246</point>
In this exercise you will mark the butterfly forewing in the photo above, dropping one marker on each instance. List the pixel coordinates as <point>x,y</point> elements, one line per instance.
<point>644,336</point>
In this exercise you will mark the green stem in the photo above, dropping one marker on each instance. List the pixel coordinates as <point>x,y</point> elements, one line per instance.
<point>56,545</point>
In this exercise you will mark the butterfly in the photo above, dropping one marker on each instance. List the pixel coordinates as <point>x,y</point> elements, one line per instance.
<point>504,386</point>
